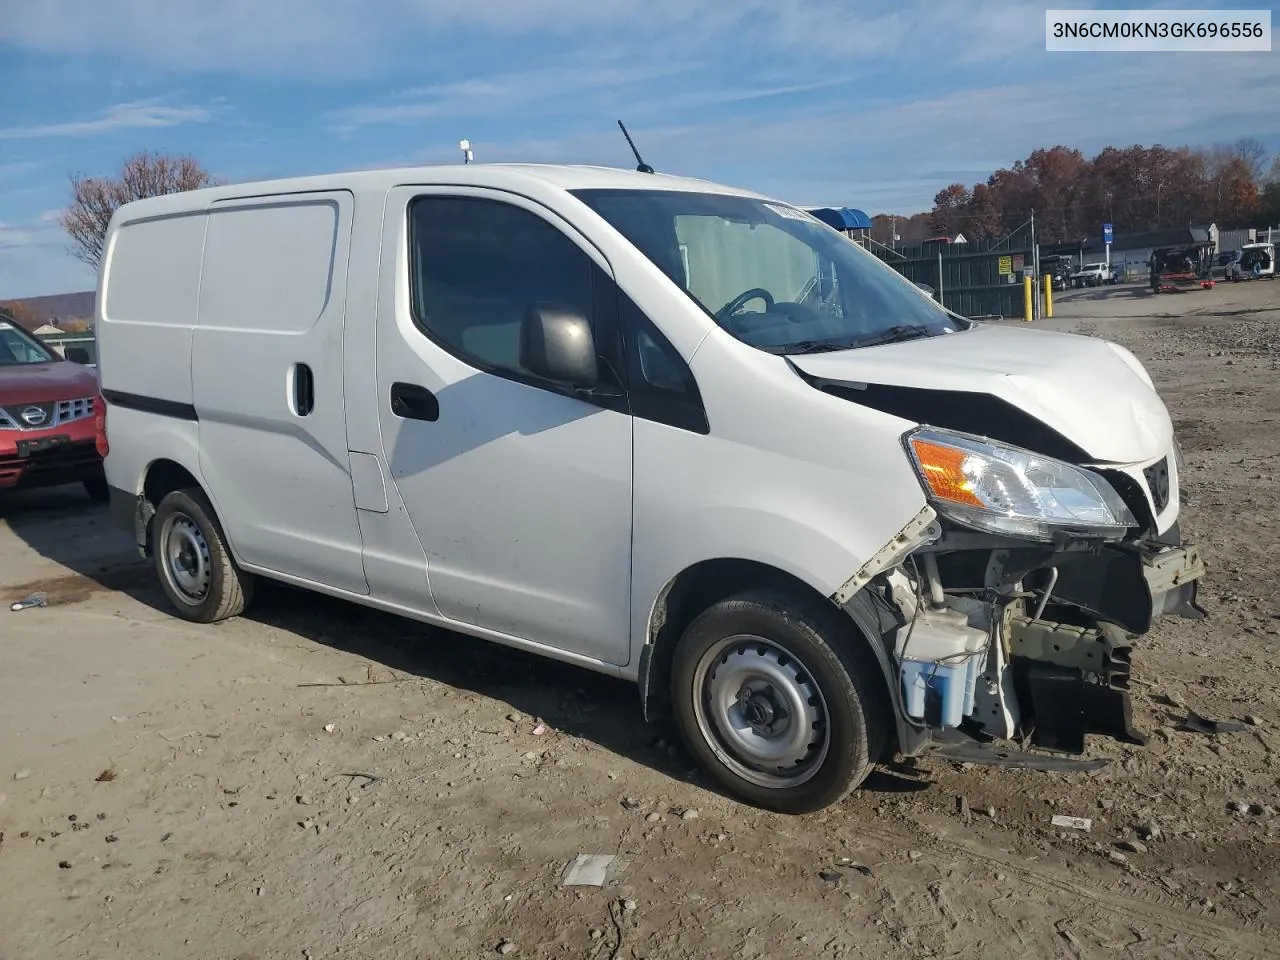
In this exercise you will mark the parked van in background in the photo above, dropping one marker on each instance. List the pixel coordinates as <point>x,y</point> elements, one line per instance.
<point>660,428</point>
<point>1257,261</point>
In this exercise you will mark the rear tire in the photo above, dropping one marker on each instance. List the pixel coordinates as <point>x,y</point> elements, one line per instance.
<point>778,700</point>
<point>97,489</point>
<point>193,562</point>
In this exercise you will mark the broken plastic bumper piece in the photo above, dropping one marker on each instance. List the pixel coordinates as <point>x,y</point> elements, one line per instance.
<point>1071,681</point>
<point>1075,680</point>
<point>1132,587</point>
<point>1173,577</point>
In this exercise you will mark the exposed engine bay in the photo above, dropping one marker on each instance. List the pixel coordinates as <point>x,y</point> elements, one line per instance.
<point>1007,642</point>
<point>1007,627</point>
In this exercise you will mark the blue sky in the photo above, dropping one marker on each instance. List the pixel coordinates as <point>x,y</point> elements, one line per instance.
<point>871,104</point>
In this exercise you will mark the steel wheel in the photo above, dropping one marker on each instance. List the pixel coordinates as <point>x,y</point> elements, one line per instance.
<point>759,709</point>
<point>186,559</point>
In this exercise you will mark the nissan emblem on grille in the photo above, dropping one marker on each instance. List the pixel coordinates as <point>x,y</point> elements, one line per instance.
<point>34,416</point>
<point>1158,480</point>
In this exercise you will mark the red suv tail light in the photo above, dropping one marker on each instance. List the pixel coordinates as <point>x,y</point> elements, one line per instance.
<point>100,426</point>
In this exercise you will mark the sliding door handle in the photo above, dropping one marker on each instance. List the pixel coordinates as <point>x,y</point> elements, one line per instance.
<point>304,390</point>
<point>412,402</point>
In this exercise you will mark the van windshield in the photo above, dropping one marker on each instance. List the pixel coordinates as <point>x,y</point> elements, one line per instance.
<point>771,275</point>
<point>17,348</point>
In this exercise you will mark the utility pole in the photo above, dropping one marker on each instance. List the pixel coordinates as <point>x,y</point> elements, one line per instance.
<point>1035,269</point>
<point>940,300</point>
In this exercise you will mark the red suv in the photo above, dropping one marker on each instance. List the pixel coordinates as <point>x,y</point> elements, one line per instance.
<point>49,416</point>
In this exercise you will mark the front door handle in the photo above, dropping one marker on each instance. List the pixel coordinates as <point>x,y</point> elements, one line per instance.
<point>412,402</point>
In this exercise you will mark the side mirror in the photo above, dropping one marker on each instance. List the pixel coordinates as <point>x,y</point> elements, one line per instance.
<point>77,355</point>
<point>556,344</point>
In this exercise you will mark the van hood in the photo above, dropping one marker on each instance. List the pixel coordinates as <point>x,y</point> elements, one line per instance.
<point>46,382</point>
<point>1010,383</point>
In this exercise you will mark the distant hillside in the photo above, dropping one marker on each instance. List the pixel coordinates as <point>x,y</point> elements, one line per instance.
<point>62,306</point>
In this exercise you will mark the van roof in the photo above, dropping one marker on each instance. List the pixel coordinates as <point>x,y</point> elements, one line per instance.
<point>510,176</point>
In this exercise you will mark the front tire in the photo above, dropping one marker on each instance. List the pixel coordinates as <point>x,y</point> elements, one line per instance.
<point>193,562</point>
<point>778,701</point>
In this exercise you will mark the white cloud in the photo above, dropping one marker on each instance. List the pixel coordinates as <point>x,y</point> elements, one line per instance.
<point>34,260</point>
<point>343,37</point>
<point>887,155</point>
<point>39,271</point>
<point>564,92</point>
<point>143,114</point>
<point>14,235</point>
<point>230,35</point>
<point>18,169</point>
<point>571,86</point>
<point>802,99</point>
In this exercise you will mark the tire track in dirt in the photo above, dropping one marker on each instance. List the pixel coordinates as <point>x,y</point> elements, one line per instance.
<point>1149,908</point>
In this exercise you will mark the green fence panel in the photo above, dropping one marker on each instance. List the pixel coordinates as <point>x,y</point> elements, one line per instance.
<point>978,278</point>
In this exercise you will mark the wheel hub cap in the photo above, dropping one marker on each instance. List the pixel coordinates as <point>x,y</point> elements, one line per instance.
<point>760,710</point>
<point>186,558</point>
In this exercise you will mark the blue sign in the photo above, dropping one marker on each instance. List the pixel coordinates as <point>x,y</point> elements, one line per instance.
<point>1106,234</point>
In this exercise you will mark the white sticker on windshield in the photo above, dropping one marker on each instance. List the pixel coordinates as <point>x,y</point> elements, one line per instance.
<point>791,213</point>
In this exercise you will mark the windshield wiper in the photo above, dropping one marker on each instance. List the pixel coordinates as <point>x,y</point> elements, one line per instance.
<point>896,334</point>
<point>814,346</point>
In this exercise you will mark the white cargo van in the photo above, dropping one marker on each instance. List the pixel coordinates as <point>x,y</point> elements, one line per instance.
<point>1256,260</point>
<point>667,430</point>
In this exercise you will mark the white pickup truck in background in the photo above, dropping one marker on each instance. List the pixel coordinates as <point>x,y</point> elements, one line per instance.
<point>1093,275</point>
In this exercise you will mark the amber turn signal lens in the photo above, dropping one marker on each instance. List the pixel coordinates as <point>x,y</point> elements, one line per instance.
<point>942,468</point>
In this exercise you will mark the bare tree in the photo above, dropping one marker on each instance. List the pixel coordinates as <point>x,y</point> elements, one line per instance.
<point>95,199</point>
<point>1273,173</point>
<point>1253,154</point>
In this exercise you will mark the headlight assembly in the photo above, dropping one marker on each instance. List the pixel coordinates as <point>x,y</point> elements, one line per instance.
<point>1002,489</point>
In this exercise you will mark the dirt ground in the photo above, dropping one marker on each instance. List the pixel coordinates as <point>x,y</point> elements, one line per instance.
<point>170,790</point>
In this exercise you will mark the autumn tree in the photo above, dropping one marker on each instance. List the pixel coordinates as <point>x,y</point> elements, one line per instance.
<point>1234,191</point>
<point>986,215</point>
<point>949,208</point>
<point>1269,204</point>
<point>95,199</point>
<point>1252,153</point>
<point>20,314</point>
<point>1269,201</point>
<point>1056,179</point>
<point>1136,188</point>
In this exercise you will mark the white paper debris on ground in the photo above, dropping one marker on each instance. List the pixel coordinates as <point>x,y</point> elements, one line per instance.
<point>26,603</point>
<point>1072,823</point>
<point>592,870</point>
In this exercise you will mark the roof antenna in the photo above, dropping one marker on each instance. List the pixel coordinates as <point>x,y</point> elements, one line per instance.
<point>640,164</point>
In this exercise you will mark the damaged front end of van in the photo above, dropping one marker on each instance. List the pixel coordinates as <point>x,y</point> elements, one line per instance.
<point>1008,608</point>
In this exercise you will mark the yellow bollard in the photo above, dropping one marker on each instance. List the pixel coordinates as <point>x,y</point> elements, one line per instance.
<point>1028,299</point>
<point>1048,295</point>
